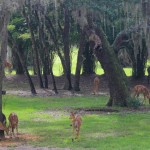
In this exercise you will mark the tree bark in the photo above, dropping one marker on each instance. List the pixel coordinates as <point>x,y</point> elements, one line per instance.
<point>53,34</point>
<point>34,47</point>
<point>33,91</point>
<point>21,59</point>
<point>79,61</point>
<point>89,61</point>
<point>68,84</point>
<point>123,40</point>
<point>1,117</point>
<point>3,49</point>
<point>18,66</point>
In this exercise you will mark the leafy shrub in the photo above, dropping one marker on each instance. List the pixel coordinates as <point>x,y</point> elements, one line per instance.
<point>134,102</point>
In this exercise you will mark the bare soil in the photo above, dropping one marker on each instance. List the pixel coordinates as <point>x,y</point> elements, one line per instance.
<point>18,85</point>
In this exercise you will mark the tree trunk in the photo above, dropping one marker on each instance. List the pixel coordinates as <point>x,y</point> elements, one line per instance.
<point>33,91</point>
<point>34,47</point>
<point>53,78</point>
<point>79,61</point>
<point>18,66</point>
<point>123,40</point>
<point>3,49</point>
<point>1,115</point>
<point>53,34</point>
<point>140,62</point>
<point>117,81</point>
<point>67,69</point>
<point>89,61</point>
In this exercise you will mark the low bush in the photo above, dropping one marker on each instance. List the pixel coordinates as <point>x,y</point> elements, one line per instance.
<point>134,102</point>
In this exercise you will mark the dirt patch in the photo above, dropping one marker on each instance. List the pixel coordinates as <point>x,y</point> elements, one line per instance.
<point>18,85</point>
<point>21,139</point>
<point>109,110</point>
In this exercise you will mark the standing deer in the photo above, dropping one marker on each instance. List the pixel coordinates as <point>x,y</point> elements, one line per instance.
<point>13,123</point>
<point>141,89</point>
<point>96,85</point>
<point>3,124</point>
<point>4,128</point>
<point>76,122</point>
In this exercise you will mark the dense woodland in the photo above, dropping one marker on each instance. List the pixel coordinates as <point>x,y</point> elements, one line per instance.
<point>116,33</point>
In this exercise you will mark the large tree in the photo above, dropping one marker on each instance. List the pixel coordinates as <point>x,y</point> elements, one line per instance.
<point>7,7</point>
<point>119,91</point>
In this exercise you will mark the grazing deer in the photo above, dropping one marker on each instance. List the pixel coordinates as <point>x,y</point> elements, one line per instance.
<point>148,77</point>
<point>96,85</point>
<point>141,89</point>
<point>13,123</point>
<point>76,122</point>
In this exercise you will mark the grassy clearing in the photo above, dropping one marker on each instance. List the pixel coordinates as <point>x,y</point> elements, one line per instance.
<point>49,119</point>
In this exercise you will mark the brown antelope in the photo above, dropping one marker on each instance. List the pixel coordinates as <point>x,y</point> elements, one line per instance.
<point>141,89</point>
<point>96,85</point>
<point>13,123</point>
<point>76,122</point>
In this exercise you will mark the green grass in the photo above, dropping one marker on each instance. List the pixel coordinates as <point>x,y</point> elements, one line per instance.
<point>49,119</point>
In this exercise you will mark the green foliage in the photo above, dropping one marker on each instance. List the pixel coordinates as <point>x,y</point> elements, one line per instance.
<point>134,102</point>
<point>11,27</point>
<point>25,36</point>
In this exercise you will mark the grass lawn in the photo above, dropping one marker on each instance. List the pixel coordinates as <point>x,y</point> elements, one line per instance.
<point>48,118</point>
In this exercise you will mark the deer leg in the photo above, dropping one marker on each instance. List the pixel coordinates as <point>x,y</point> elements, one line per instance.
<point>13,132</point>
<point>144,100</point>
<point>73,131</point>
<point>17,129</point>
<point>77,133</point>
<point>94,89</point>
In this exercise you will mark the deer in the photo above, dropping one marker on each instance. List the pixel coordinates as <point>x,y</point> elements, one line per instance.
<point>148,77</point>
<point>96,83</point>
<point>3,124</point>
<point>13,123</point>
<point>76,122</point>
<point>141,89</point>
<point>4,128</point>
